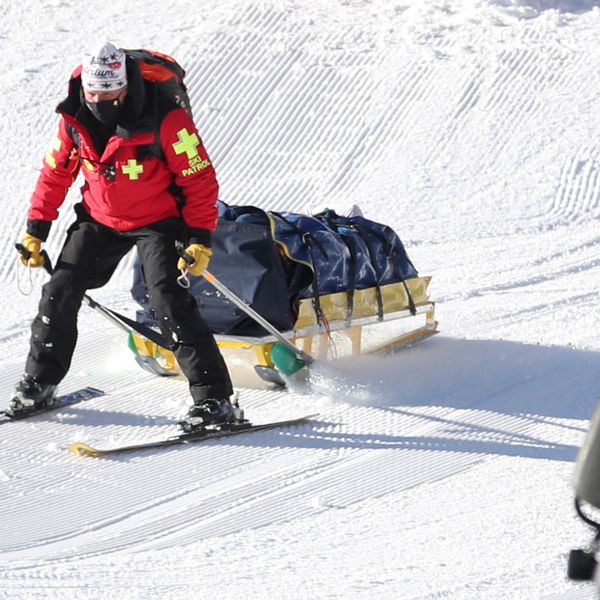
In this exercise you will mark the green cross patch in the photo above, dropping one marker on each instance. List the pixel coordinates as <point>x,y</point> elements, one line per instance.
<point>187,143</point>
<point>132,169</point>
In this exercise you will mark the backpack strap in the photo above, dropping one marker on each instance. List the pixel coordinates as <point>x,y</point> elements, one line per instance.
<point>74,135</point>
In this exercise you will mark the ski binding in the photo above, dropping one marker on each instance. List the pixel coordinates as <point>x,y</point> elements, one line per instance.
<point>81,395</point>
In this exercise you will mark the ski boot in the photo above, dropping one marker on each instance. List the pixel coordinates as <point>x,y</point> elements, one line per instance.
<point>212,413</point>
<point>31,395</point>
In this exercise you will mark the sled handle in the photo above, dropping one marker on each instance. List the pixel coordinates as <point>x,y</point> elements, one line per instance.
<point>121,321</point>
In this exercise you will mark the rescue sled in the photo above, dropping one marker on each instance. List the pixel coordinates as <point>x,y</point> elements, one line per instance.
<point>331,285</point>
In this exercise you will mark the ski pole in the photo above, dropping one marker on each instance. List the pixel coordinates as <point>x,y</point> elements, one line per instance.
<point>305,358</point>
<point>124,323</point>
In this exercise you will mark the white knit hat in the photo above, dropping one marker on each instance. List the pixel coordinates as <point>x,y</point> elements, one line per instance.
<point>104,70</point>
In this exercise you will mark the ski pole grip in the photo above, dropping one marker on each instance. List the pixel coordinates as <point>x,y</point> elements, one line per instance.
<point>26,254</point>
<point>23,251</point>
<point>189,259</point>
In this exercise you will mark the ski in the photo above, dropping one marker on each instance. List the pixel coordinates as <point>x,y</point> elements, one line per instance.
<point>69,399</point>
<point>83,449</point>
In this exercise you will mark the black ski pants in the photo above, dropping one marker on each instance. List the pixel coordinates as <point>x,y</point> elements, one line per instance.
<point>88,259</point>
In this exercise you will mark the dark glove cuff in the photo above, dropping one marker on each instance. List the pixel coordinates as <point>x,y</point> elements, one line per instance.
<point>39,229</point>
<point>196,235</point>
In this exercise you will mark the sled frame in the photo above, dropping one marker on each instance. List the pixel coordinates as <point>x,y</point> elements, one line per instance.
<point>312,336</point>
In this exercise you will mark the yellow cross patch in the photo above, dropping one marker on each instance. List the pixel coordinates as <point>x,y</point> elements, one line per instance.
<point>187,143</point>
<point>56,144</point>
<point>132,169</point>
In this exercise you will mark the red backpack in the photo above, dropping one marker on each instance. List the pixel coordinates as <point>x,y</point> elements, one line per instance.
<point>165,71</point>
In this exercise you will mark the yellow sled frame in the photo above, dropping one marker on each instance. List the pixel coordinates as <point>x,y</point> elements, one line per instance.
<point>311,336</point>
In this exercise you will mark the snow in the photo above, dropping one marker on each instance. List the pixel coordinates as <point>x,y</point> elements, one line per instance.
<point>441,471</point>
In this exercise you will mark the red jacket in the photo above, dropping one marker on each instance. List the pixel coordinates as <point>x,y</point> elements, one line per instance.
<point>127,186</point>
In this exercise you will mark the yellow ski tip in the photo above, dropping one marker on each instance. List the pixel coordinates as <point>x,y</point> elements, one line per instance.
<point>82,449</point>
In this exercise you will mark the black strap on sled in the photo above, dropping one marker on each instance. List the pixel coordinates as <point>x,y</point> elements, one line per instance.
<point>378,274</point>
<point>336,221</point>
<point>391,251</point>
<point>349,241</point>
<point>411,303</point>
<point>310,241</point>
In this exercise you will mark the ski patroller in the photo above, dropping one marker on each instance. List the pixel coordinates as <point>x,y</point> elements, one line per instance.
<point>83,449</point>
<point>81,395</point>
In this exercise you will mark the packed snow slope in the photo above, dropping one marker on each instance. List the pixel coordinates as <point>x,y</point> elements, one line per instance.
<point>441,471</point>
